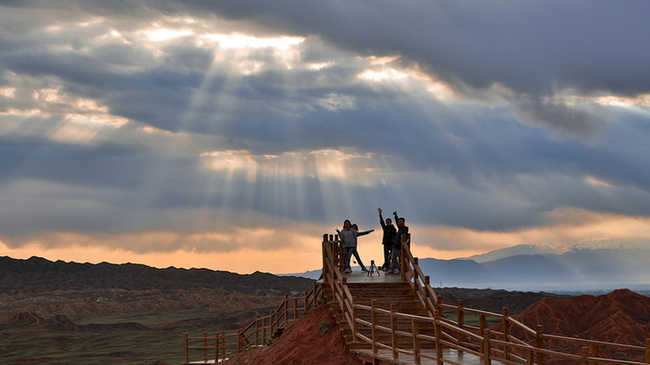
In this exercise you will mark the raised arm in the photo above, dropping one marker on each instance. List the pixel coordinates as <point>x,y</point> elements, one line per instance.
<point>364,232</point>
<point>396,217</point>
<point>381,219</point>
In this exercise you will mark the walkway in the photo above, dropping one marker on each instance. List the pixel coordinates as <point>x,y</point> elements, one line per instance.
<point>360,277</point>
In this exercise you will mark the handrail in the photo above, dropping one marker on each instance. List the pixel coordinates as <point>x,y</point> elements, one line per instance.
<point>256,332</point>
<point>482,341</point>
<point>522,326</point>
<point>502,345</point>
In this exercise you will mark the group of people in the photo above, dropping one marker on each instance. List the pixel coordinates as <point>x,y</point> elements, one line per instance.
<point>391,240</point>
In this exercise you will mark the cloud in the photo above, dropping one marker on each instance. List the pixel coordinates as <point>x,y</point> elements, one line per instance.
<point>159,119</point>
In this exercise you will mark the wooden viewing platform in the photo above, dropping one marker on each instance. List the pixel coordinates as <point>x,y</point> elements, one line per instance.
<point>399,319</point>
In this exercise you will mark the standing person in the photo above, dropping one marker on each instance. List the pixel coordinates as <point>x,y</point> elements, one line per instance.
<point>355,252</point>
<point>387,240</point>
<point>349,242</point>
<point>402,230</point>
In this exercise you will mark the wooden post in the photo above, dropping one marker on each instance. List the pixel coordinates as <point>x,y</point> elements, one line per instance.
<point>460,319</point>
<point>295,308</point>
<point>531,357</point>
<point>482,324</point>
<point>647,350</point>
<point>264,330</point>
<point>187,348</point>
<point>304,305</point>
<point>438,335</point>
<point>488,348</point>
<point>373,329</point>
<point>216,348</point>
<point>324,257</point>
<point>223,345</point>
<point>271,325</point>
<point>352,314</point>
<point>506,333</point>
<point>461,314</point>
<point>286,310</point>
<point>594,353</point>
<point>584,352</point>
<point>205,347</point>
<point>393,327</point>
<point>539,342</point>
<point>238,344</point>
<point>257,331</point>
<point>416,342</point>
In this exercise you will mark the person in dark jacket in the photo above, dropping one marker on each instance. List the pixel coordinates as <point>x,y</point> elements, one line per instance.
<point>388,238</point>
<point>402,229</point>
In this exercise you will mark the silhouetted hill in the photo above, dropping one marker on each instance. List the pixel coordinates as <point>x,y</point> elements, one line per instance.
<point>577,269</point>
<point>38,274</point>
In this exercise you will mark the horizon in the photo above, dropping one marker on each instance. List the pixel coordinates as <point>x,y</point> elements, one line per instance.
<point>233,136</point>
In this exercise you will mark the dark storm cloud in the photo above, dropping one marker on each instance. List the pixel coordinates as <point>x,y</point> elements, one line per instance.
<point>461,164</point>
<point>528,46</point>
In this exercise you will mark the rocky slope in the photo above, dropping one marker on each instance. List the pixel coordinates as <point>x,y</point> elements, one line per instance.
<point>621,316</point>
<point>38,274</point>
<point>312,340</point>
<point>48,288</point>
<point>62,322</point>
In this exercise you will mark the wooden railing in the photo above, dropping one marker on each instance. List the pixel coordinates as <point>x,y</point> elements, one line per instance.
<point>412,273</point>
<point>333,263</point>
<point>487,335</point>
<point>258,332</point>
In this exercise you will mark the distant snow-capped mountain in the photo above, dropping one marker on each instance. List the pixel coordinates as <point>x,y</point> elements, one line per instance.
<point>513,251</point>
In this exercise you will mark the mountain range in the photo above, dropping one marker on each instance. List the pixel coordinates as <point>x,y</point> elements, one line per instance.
<point>38,274</point>
<point>539,268</point>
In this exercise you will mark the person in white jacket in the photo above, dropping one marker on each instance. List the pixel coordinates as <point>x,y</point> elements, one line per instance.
<point>349,242</point>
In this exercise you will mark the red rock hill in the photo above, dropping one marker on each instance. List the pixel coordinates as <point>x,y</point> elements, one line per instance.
<point>621,316</point>
<point>312,340</point>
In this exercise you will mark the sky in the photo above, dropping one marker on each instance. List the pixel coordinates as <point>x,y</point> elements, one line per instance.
<point>232,135</point>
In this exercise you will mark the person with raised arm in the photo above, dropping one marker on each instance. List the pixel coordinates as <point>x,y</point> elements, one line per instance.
<point>402,230</point>
<point>387,240</point>
<point>349,242</point>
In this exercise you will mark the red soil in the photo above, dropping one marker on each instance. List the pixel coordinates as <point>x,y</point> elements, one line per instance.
<point>303,343</point>
<point>621,316</point>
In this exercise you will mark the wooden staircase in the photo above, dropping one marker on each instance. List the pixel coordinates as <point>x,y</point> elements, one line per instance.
<point>398,296</point>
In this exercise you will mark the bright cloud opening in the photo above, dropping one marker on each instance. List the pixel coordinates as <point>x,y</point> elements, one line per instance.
<point>163,34</point>
<point>239,41</point>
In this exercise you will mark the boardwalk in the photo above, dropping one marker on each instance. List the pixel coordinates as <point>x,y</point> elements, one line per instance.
<point>360,277</point>
<point>428,357</point>
<point>399,319</point>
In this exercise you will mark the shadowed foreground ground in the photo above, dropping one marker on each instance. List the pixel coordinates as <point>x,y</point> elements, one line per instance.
<point>314,339</point>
